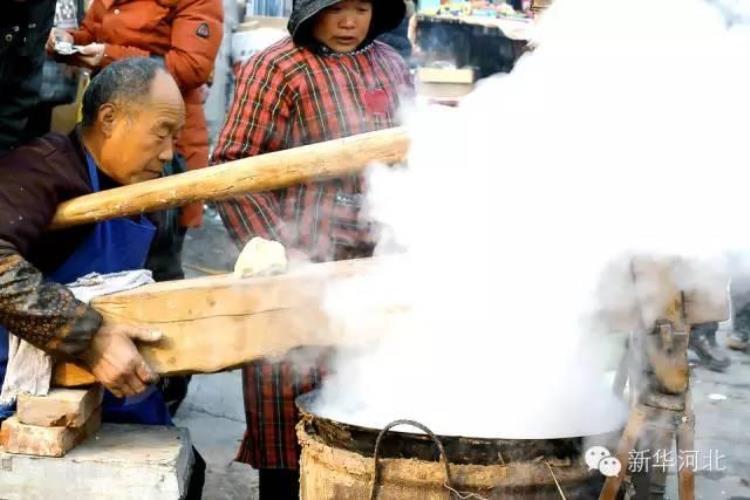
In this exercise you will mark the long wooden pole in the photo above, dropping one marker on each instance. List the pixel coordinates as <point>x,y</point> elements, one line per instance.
<point>257,173</point>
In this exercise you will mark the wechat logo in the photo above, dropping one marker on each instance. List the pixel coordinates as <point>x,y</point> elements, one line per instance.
<point>599,458</point>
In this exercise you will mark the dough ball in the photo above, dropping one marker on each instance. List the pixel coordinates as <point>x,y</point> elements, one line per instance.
<point>261,257</point>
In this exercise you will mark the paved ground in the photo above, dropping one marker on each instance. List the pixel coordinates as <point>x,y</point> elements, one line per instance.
<point>213,410</point>
<point>213,413</point>
<point>722,435</point>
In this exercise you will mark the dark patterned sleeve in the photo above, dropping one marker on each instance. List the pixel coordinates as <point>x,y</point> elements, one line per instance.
<point>43,313</point>
<point>259,121</point>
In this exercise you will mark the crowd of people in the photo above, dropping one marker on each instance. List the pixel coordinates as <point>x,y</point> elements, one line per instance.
<point>142,117</point>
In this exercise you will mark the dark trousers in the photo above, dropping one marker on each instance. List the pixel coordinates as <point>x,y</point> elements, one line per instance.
<point>742,321</point>
<point>197,478</point>
<point>279,484</point>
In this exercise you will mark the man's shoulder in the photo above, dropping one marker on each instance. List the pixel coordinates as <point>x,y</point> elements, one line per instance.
<point>51,156</point>
<point>45,147</point>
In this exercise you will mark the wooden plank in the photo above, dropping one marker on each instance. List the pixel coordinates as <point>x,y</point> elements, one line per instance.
<point>446,75</point>
<point>453,91</point>
<point>59,408</point>
<point>217,323</point>
<point>258,173</point>
<point>16,437</point>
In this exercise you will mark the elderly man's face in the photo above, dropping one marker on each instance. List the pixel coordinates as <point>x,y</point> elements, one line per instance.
<point>141,136</point>
<point>344,26</point>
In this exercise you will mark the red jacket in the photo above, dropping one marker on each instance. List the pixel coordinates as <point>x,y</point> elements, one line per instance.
<point>290,96</point>
<point>186,34</point>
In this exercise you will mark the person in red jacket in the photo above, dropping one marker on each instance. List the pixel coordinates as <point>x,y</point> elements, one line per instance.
<point>183,34</point>
<point>329,79</point>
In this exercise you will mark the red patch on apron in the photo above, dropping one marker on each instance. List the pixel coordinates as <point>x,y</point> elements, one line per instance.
<point>376,102</point>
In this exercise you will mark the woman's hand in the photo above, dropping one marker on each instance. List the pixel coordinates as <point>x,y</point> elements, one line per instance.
<point>56,35</point>
<point>90,55</point>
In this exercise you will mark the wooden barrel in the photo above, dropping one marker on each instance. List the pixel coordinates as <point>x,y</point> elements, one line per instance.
<point>337,463</point>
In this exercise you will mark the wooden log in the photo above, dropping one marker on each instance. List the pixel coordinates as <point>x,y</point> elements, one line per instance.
<point>217,323</point>
<point>258,173</point>
<point>59,408</point>
<point>16,437</point>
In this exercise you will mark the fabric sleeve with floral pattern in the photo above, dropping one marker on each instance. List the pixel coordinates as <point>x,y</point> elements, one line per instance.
<point>44,313</point>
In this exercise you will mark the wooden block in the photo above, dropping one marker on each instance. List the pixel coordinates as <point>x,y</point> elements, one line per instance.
<point>72,375</point>
<point>443,90</point>
<point>446,75</point>
<point>217,323</point>
<point>16,437</point>
<point>60,408</point>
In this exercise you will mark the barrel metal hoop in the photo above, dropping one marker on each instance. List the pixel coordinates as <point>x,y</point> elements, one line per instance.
<point>448,484</point>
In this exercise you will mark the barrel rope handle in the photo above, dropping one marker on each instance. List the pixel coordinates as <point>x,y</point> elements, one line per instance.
<point>447,484</point>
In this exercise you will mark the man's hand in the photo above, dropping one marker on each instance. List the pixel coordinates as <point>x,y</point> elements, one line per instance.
<point>114,360</point>
<point>56,35</point>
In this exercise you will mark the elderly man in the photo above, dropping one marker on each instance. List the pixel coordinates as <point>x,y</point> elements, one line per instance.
<point>183,34</point>
<point>132,113</point>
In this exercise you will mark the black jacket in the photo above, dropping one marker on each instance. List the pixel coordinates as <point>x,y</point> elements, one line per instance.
<point>24,28</point>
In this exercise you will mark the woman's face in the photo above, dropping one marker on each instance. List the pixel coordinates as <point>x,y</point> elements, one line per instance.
<point>344,26</point>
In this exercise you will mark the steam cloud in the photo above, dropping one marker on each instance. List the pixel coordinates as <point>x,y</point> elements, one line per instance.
<point>623,133</point>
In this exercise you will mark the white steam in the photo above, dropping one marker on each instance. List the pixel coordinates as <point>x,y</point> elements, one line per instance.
<point>625,132</point>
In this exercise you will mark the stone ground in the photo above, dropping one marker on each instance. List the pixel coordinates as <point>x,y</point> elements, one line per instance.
<point>722,435</point>
<point>214,414</point>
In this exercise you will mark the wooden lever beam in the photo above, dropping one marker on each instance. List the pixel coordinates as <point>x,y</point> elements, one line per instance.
<point>217,323</point>
<point>258,173</point>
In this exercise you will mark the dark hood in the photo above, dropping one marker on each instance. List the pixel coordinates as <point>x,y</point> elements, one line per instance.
<point>386,15</point>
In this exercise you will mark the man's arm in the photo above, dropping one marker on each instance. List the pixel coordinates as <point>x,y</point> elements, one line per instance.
<point>44,313</point>
<point>47,315</point>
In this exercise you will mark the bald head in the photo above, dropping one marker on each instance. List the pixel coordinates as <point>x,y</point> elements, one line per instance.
<point>126,81</point>
<point>133,113</point>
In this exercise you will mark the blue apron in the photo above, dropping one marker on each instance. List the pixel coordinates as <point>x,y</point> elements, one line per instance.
<point>113,246</point>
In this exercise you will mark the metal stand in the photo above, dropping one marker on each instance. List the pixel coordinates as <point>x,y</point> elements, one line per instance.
<point>661,417</point>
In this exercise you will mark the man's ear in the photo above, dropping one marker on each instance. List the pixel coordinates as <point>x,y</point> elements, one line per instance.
<point>107,117</point>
